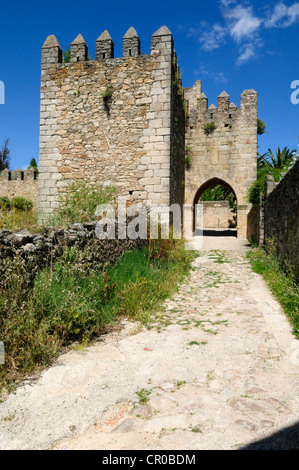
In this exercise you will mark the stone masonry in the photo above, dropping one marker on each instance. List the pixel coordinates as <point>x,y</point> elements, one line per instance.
<point>121,122</point>
<point>19,183</point>
<point>225,155</point>
<point>112,121</point>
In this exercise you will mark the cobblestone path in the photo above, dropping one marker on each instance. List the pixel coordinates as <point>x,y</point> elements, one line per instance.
<point>218,370</point>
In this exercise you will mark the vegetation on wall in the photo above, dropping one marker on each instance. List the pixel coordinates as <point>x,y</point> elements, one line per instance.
<point>79,203</point>
<point>187,158</point>
<point>209,127</point>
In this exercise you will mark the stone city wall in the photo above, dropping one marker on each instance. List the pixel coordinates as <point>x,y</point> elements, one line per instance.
<point>281,220</point>
<point>19,183</point>
<point>217,214</point>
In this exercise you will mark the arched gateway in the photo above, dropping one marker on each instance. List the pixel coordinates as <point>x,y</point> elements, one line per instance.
<point>212,183</point>
<point>222,147</point>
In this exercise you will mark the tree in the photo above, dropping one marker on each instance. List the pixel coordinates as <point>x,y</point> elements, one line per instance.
<point>33,165</point>
<point>67,54</point>
<point>261,127</point>
<point>277,165</point>
<point>269,164</point>
<point>220,193</point>
<point>5,156</point>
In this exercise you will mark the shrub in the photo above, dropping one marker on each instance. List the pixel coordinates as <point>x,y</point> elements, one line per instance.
<point>209,127</point>
<point>4,203</point>
<point>257,190</point>
<point>108,92</point>
<point>15,219</point>
<point>80,202</point>
<point>73,300</point>
<point>21,203</point>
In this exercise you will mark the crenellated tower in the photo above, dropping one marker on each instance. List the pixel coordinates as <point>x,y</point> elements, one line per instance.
<point>121,122</point>
<point>222,143</point>
<point>112,120</point>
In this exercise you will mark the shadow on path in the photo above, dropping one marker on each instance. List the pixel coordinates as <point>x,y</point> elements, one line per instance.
<point>220,233</point>
<point>286,439</point>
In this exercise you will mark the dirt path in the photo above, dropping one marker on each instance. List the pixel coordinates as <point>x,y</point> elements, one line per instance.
<point>219,370</point>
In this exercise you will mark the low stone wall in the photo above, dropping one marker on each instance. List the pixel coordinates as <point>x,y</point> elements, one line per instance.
<point>281,222</point>
<point>217,214</point>
<point>254,225</point>
<point>39,250</point>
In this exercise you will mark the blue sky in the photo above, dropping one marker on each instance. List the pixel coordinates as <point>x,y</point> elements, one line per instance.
<point>229,45</point>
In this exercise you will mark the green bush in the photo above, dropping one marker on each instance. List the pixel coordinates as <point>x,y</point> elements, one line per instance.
<point>209,127</point>
<point>80,201</point>
<point>21,203</point>
<point>73,300</point>
<point>257,190</point>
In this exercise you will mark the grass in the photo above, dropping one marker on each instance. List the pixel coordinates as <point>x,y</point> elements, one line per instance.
<point>14,220</point>
<point>73,301</point>
<point>143,396</point>
<point>282,284</point>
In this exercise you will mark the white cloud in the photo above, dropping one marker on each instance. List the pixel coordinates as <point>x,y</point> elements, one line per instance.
<point>244,26</point>
<point>283,16</point>
<point>213,38</point>
<point>247,54</point>
<point>242,22</point>
<point>217,76</point>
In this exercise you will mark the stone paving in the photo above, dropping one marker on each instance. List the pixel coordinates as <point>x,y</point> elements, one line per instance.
<point>217,370</point>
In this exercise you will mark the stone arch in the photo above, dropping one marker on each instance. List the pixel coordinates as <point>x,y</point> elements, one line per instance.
<point>203,187</point>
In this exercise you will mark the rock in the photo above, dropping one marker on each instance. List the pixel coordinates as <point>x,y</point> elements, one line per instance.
<point>4,233</point>
<point>242,404</point>
<point>29,248</point>
<point>22,237</point>
<point>142,411</point>
<point>126,426</point>
<point>248,425</point>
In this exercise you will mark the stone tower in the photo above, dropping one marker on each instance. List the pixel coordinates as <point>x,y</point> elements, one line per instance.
<point>135,141</point>
<point>222,143</point>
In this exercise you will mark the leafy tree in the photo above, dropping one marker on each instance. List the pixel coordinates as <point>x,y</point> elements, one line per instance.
<point>220,193</point>
<point>276,165</point>
<point>5,156</point>
<point>279,164</point>
<point>67,55</point>
<point>33,165</point>
<point>261,127</point>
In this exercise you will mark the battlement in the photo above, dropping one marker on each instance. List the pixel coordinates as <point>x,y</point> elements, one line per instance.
<point>18,175</point>
<point>19,183</point>
<point>226,113</point>
<point>161,42</point>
